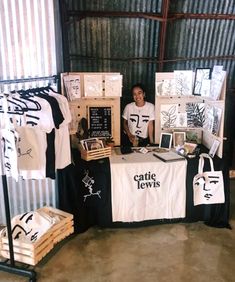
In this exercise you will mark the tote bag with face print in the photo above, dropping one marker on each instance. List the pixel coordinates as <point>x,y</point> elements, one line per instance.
<point>208,187</point>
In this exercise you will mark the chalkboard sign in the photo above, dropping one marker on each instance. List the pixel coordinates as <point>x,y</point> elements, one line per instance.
<point>100,121</point>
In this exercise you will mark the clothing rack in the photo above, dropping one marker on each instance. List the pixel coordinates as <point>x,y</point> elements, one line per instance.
<point>29,79</point>
<point>9,265</point>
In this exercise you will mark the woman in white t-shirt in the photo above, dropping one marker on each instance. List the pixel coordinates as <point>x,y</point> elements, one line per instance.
<point>138,118</point>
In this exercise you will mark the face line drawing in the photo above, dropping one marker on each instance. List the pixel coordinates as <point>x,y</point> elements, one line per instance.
<point>139,119</point>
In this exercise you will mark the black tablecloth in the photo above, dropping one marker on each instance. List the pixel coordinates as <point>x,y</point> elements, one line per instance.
<point>77,181</point>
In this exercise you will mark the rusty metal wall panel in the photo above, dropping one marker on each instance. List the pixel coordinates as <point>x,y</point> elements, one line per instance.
<point>153,6</point>
<point>204,7</point>
<point>27,39</point>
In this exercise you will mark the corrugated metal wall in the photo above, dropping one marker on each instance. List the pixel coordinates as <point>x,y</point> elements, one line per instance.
<point>206,6</point>
<point>131,45</point>
<point>126,45</point>
<point>115,5</point>
<point>117,44</point>
<point>195,38</point>
<point>27,195</point>
<point>27,49</point>
<point>27,39</point>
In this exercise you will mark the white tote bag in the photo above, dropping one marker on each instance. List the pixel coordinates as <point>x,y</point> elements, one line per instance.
<point>208,187</point>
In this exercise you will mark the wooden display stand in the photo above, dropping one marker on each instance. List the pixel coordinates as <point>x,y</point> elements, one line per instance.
<point>207,137</point>
<point>80,107</point>
<point>32,253</point>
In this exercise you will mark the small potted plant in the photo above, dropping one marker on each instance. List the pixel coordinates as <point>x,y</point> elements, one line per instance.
<point>109,142</point>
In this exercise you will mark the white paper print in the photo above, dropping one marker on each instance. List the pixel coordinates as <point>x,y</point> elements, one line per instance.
<point>165,87</point>
<point>181,120</point>
<point>214,148</point>
<point>217,80</point>
<point>183,83</point>
<point>213,116</point>
<point>113,85</point>
<point>169,113</point>
<point>93,85</point>
<point>195,114</point>
<point>202,82</point>
<point>72,86</point>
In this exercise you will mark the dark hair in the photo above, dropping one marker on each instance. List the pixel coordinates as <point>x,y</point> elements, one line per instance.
<point>140,85</point>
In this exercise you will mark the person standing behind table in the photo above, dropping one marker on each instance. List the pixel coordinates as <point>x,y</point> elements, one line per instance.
<point>138,118</point>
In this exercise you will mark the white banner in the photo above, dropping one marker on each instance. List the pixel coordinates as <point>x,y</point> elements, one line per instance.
<point>145,188</point>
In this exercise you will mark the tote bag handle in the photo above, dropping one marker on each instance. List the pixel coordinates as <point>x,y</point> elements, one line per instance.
<point>201,163</point>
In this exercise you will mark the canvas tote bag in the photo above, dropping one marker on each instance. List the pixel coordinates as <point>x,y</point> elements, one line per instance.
<point>208,187</point>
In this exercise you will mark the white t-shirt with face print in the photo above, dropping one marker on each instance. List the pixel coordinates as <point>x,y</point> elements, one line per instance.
<point>138,118</point>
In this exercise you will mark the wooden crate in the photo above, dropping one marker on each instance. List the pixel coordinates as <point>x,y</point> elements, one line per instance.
<point>32,253</point>
<point>63,228</point>
<point>95,154</point>
<point>29,253</point>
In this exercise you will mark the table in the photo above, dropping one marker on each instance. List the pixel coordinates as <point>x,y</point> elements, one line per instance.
<point>81,179</point>
<point>145,188</point>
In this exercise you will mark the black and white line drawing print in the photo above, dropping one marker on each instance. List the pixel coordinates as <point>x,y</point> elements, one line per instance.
<point>169,113</point>
<point>89,182</point>
<point>207,185</point>
<point>183,82</point>
<point>195,114</point>
<point>182,120</point>
<point>213,116</point>
<point>202,82</point>
<point>139,121</point>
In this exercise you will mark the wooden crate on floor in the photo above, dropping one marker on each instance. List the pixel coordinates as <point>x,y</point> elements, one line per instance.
<point>32,253</point>
<point>64,227</point>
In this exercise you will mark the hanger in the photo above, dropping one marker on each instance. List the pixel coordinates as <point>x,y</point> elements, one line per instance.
<point>18,110</point>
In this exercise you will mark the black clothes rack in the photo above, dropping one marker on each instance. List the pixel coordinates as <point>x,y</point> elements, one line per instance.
<point>29,79</point>
<point>9,265</point>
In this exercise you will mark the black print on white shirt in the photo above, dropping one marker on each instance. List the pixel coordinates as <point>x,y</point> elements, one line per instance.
<point>6,149</point>
<point>201,182</point>
<point>34,120</point>
<point>27,152</point>
<point>139,120</point>
<point>89,181</point>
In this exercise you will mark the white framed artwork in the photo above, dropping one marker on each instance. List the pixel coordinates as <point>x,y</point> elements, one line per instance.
<point>178,139</point>
<point>165,141</point>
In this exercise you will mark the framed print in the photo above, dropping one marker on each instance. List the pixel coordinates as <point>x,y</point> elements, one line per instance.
<point>92,144</point>
<point>165,141</point>
<point>202,82</point>
<point>178,139</point>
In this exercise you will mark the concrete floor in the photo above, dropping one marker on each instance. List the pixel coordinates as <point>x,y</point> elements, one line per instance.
<point>171,252</point>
